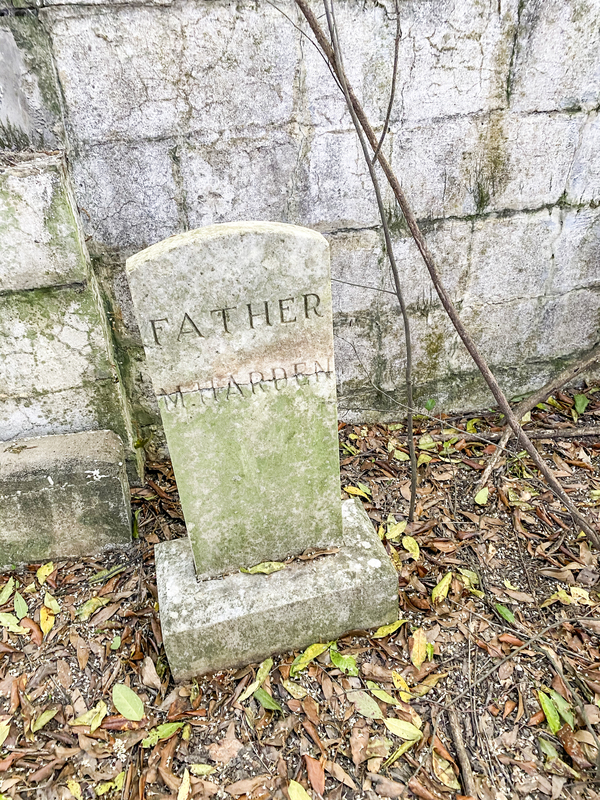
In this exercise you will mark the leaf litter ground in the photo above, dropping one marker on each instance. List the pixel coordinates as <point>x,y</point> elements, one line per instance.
<point>498,598</point>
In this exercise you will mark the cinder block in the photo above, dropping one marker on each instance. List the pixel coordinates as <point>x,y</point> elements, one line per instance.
<point>62,497</point>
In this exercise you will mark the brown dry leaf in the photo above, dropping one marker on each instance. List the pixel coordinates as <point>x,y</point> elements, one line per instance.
<point>339,774</point>
<point>316,774</point>
<point>419,790</point>
<point>249,786</point>
<point>63,673</point>
<point>374,672</point>
<point>520,597</point>
<point>37,636</point>
<point>311,709</point>
<point>572,747</point>
<point>227,748</point>
<point>359,742</point>
<point>149,675</point>
<point>387,788</point>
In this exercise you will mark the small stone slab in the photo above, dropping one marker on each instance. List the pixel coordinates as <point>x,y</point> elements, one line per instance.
<point>62,497</point>
<point>237,327</point>
<point>220,624</point>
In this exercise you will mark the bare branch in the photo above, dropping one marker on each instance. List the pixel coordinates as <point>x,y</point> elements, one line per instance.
<point>429,261</point>
<point>338,66</point>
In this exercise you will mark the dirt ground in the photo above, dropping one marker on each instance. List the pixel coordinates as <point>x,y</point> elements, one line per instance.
<point>489,684</point>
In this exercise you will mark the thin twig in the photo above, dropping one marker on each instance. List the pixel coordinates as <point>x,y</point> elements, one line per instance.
<point>393,87</point>
<point>390,253</point>
<point>442,293</point>
<point>461,752</point>
<point>512,654</point>
<point>529,403</point>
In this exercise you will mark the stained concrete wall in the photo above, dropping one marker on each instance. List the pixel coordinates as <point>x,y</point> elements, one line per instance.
<point>181,113</point>
<point>58,372</point>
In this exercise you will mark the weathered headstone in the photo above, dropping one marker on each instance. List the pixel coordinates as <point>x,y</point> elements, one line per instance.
<point>236,324</point>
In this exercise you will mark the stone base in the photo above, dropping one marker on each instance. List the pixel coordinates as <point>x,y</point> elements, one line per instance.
<point>62,496</point>
<point>241,619</point>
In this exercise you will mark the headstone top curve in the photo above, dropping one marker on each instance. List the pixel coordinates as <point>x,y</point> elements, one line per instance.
<point>222,230</point>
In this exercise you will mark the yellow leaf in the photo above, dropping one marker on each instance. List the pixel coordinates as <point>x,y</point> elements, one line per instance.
<point>4,731</point>
<point>424,458</point>
<point>402,686</point>
<point>440,591</point>
<point>297,792</point>
<point>46,620</point>
<point>355,491</point>
<point>51,603</point>
<point>444,772</point>
<point>482,495</point>
<point>74,788</point>
<point>400,455</point>
<point>93,717</point>
<point>427,685</point>
<point>184,789</point>
<point>294,689</point>
<point>410,544</point>
<point>44,571</point>
<point>385,630</point>
<point>303,660</point>
<point>201,769</point>
<point>418,654</point>
<point>265,568</point>
<point>91,606</point>
<point>399,752</point>
<point>43,719</point>
<point>581,596</point>
<point>560,596</point>
<point>396,530</point>
<point>405,730</point>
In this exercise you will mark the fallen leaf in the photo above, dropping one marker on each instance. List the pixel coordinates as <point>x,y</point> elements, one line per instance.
<point>149,675</point>
<point>249,786</point>
<point>386,630</point>
<point>444,772</point>
<point>265,568</point>
<point>228,748</point>
<point>440,592</point>
<point>184,790</point>
<point>46,620</point>
<point>43,572</point>
<point>359,741</point>
<point>402,729</point>
<point>339,774</point>
<point>481,499</point>
<point>365,704</point>
<point>550,712</point>
<point>93,717</point>
<point>294,689</point>
<point>127,702</point>
<point>297,792</point>
<point>418,652</point>
<point>37,636</point>
<point>303,660</point>
<point>410,544</point>
<point>316,774</point>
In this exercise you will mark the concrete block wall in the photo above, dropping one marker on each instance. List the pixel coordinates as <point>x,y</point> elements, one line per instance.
<point>57,368</point>
<point>180,113</point>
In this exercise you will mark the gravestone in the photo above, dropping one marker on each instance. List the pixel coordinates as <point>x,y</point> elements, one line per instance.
<point>237,327</point>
